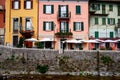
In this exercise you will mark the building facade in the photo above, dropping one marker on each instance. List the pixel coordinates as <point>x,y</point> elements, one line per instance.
<point>104,20</point>
<point>21,19</point>
<point>62,20</point>
<point>2,20</point>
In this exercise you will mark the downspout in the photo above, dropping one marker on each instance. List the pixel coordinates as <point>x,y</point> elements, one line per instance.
<point>38,21</point>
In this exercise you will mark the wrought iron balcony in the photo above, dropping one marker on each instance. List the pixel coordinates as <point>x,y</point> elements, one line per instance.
<point>64,15</point>
<point>27,33</point>
<point>64,34</point>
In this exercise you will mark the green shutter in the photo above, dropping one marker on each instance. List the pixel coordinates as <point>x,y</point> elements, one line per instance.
<point>114,21</point>
<point>44,27</point>
<point>59,11</point>
<point>96,20</point>
<point>108,20</point>
<point>44,8</point>
<point>111,35</point>
<point>52,24</point>
<point>67,27</point>
<point>77,9</point>
<point>98,6</point>
<point>82,26</point>
<point>52,9</point>
<point>67,9</point>
<point>74,24</point>
<point>110,7</point>
<point>103,21</point>
<point>96,34</point>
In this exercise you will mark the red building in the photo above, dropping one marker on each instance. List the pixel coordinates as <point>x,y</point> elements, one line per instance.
<point>2,20</point>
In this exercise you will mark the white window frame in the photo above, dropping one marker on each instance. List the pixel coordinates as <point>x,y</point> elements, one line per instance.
<point>16,5</point>
<point>111,21</point>
<point>15,28</point>
<point>48,9</point>
<point>28,24</point>
<point>28,4</point>
<point>48,26</point>
<point>78,26</point>
<point>63,26</point>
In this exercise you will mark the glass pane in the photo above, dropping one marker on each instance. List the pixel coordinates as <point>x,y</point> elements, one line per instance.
<point>28,24</point>
<point>15,24</point>
<point>16,5</point>
<point>28,4</point>
<point>48,9</point>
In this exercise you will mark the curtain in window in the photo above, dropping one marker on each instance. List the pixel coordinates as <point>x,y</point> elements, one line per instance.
<point>28,24</point>
<point>15,24</point>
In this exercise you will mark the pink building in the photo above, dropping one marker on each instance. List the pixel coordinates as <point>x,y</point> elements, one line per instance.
<point>63,24</point>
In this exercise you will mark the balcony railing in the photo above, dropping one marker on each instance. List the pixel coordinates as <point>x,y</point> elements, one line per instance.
<point>64,15</point>
<point>64,34</point>
<point>27,33</point>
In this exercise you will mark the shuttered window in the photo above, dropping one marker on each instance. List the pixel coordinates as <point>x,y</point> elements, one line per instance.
<point>103,21</point>
<point>48,9</point>
<point>15,4</point>
<point>110,7</point>
<point>48,26</point>
<point>78,9</point>
<point>78,26</point>
<point>111,21</point>
<point>96,20</point>
<point>111,35</point>
<point>28,4</point>
<point>96,34</point>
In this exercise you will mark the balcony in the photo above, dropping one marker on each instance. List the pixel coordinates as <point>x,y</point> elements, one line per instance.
<point>27,33</point>
<point>64,15</point>
<point>64,34</point>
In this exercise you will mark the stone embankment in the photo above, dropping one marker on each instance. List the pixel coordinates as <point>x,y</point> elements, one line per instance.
<point>25,60</point>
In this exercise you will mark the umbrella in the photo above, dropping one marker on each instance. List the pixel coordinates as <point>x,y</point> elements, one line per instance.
<point>46,39</point>
<point>73,41</point>
<point>31,39</point>
<point>91,41</point>
<point>108,41</point>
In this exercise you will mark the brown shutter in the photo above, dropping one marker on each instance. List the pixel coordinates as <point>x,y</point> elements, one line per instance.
<point>31,4</point>
<point>12,6</point>
<point>25,4</point>
<point>19,4</point>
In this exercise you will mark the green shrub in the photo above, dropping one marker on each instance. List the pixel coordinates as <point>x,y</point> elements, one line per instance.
<point>42,68</point>
<point>106,59</point>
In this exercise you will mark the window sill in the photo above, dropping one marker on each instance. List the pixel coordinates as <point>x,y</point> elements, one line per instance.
<point>78,30</point>
<point>27,9</point>
<point>48,30</point>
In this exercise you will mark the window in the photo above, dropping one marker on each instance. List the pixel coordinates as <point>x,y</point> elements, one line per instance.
<point>28,4</point>
<point>95,6</point>
<point>64,27</point>
<point>48,26</point>
<point>48,9</point>
<point>96,34</point>
<point>96,20</point>
<point>63,11</point>
<point>28,24</point>
<point>103,21</point>
<point>15,25</point>
<point>118,10</point>
<point>111,21</point>
<point>110,7</point>
<point>111,34</point>
<point>78,26</point>
<point>78,9</point>
<point>15,4</point>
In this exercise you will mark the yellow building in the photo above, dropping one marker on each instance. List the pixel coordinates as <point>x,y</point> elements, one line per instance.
<point>21,16</point>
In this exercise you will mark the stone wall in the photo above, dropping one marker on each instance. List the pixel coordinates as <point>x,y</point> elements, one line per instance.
<point>26,60</point>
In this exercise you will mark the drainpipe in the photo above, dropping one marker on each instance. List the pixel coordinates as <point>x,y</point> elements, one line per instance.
<point>38,21</point>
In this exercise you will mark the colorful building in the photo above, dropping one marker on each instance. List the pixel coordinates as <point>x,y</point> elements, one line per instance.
<point>61,21</point>
<point>21,18</point>
<point>105,22</point>
<point>2,20</point>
